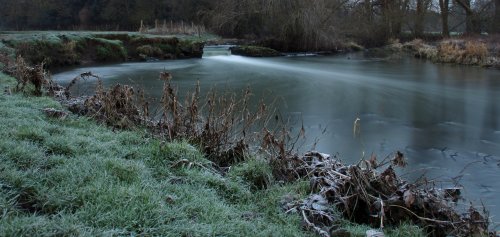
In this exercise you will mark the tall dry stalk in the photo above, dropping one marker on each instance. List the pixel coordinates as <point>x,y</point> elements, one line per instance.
<point>224,125</point>
<point>30,75</point>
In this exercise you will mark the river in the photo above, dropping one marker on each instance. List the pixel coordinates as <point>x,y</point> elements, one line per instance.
<point>444,118</point>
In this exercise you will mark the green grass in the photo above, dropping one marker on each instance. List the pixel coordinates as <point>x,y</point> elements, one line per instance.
<point>75,177</point>
<point>65,48</point>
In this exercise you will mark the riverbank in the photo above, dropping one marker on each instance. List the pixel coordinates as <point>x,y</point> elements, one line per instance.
<point>263,48</point>
<point>58,49</point>
<point>483,51</point>
<point>71,176</point>
<point>257,175</point>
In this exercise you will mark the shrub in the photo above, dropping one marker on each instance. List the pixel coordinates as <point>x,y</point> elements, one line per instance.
<point>468,52</point>
<point>51,53</point>
<point>475,51</point>
<point>354,46</point>
<point>150,51</point>
<point>68,53</point>
<point>105,50</point>
<point>427,52</point>
<point>27,75</point>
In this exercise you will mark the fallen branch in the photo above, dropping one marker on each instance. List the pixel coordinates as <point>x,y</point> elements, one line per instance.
<point>314,227</point>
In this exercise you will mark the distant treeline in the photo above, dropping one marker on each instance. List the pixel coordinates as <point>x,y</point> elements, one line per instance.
<point>95,14</point>
<point>290,24</point>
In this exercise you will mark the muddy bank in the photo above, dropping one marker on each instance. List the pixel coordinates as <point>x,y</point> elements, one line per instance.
<point>75,48</point>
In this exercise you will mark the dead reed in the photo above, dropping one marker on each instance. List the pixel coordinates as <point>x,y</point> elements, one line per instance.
<point>463,52</point>
<point>223,125</point>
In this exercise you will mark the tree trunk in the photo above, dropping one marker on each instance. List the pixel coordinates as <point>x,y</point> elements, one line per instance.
<point>84,17</point>
<point>386,18</point>
<point>469,18</point>
<point>472,22</point>
<point>444,6</point>
<point>369,10</point>
<point>419,21</point>
<point>402,11</point>
<point>393,12</point>
<point>496,24</point>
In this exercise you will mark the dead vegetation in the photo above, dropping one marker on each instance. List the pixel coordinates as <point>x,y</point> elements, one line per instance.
<point>117,106</point>
<point>463,52</point>
<point>373,194</point>
<point>421,50</point>
<point>225,127</point>
<point>222,125</point>
<point>458,51</point>
<point>30,79</point>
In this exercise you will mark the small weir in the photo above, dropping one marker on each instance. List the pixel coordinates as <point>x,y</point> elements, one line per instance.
<point>216,50</point>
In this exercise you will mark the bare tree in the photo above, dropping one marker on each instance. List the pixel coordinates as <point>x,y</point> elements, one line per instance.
<point>496,23</point>
<point>421,11</point>
<point>472,21</point>
<point>444,6</point>
<point>393,15</point>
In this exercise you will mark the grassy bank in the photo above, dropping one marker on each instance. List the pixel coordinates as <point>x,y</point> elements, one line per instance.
<point>74,177</point>
<point>58,49</point>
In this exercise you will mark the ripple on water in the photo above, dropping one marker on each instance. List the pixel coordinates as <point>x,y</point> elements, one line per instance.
<point>452,124</point>
<point>488,142</point>
<point>486,189</point>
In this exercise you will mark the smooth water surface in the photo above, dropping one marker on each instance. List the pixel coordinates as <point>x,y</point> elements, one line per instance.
<point>445,119</point>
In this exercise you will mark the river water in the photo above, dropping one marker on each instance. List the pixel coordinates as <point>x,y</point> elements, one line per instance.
<point>445,119</point>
